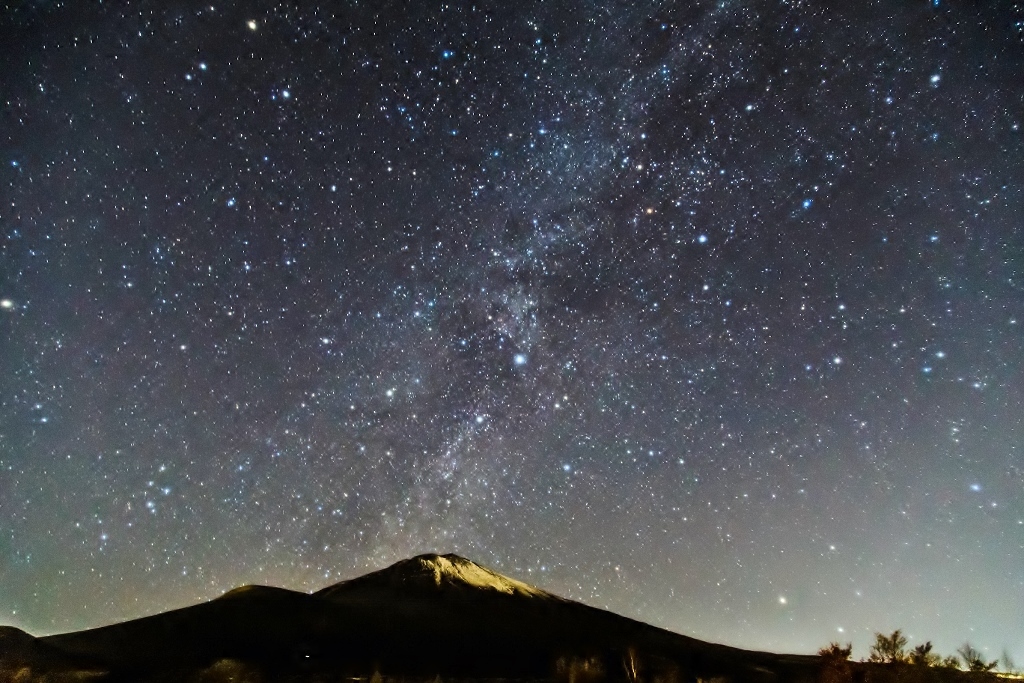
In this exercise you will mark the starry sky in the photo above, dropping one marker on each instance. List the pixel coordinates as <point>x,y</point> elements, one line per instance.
<point>710,313</point>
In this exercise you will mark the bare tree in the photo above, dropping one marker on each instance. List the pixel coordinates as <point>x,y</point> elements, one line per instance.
<point>630,664</point>
<point>973,659</point>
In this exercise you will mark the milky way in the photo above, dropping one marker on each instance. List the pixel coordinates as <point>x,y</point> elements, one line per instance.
<point>710,313</point>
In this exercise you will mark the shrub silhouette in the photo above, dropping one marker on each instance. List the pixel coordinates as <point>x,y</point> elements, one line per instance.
<point>922,655</point>
<point>889,649</point>
<point>835,652</point>
<point>835,663</point>
<point>950,662</point>
<point>973,659</point>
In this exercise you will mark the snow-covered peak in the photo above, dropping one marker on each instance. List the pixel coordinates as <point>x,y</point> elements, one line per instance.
<point>458,571</point>
<point>445,573</point>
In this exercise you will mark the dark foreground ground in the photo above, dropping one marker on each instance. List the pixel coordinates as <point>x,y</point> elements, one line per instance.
<point>431,618</point>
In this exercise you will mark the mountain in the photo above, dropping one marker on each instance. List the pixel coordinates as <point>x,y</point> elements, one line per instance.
<point>426,617</point>
<point>24,658</point>
<point>425,574</point>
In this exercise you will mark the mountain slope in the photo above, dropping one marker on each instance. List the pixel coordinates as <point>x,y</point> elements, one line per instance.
<point>441,573</point>
<point>428,616</point>
<point>422,617</point>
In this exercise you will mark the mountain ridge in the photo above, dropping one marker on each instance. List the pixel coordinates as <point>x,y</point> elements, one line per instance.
<point>421,618</point>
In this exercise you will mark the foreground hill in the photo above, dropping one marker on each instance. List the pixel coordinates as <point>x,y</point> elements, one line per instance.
<point>426,617</point>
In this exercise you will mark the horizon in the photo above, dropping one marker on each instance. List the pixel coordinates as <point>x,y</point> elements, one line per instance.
<point>706,313</point>
<point>443,554</point>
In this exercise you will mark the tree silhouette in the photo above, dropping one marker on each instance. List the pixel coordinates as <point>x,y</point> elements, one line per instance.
<point>889,649</point>
<point>922,655</point>
<point>835,663</point>
<point>974,660</point>
<point>950,662</point>
<point>836,652</point>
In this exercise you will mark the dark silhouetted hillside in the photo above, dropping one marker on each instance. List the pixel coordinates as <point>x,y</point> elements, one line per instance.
<point>426,617</point>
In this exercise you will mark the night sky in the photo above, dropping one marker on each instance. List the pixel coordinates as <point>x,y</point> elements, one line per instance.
<point>709,313</point>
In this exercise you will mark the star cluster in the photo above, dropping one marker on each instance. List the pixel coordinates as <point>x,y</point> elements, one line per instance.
<point>710,313</point>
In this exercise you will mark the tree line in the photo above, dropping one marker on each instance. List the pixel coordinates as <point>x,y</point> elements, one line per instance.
<point>892,649</point>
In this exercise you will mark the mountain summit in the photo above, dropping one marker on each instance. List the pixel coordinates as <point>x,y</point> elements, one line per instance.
<point>436,573</point>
